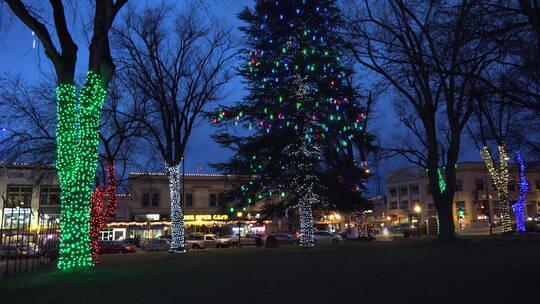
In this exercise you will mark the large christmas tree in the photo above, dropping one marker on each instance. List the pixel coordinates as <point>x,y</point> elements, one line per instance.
<point>301,113</point>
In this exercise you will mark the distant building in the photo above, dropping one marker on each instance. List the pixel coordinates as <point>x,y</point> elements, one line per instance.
<point>409,187</point>
<point>29,196</point>
<point>145,211</point>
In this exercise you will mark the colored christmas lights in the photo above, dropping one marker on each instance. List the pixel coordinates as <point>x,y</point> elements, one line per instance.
<point>177,215</point>
<point>77,135</point>
<point>442,182</point>
<point>301,113</point>
<point>99,213</point>
<point>519,207</point>
<point>361,225</point>
<point>500,177</point>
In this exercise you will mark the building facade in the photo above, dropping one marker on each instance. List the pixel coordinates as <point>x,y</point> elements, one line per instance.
<point>475,197</point>
<point>145,211</point>
<point>29,197</point>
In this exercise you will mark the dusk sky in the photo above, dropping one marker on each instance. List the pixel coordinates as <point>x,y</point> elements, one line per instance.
<point>20,58</point>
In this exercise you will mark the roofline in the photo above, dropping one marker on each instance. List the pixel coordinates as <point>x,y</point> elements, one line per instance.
<point>186,175</point>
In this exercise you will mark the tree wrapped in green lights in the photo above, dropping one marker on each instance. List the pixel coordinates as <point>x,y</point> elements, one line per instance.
<point>301,115</point>
<point>78,115</point>
<point>77,136</point>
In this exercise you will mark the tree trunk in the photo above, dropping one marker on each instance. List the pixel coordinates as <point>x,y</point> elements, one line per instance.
<point>446,220</point>
<point>77,139</point>
<point>504,208</point>
<point>499,176</point>
<point>519,207</point>
<point>306,222</point>
<point>177,215</point>
<point>99,214</point>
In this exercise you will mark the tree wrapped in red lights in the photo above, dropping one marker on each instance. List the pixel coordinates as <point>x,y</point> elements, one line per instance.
<point>101,212</point>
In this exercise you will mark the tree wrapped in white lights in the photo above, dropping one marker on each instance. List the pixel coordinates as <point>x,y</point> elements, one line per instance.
<point>177,214</point>
<point>500,177</point>
<point>173,71</point>
<point>305,183</point>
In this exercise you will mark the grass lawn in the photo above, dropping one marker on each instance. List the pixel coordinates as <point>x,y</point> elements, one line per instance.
<point>475,270</point>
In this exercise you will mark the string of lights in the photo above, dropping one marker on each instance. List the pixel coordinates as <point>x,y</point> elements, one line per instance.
<point>77,139</point>
<point>360,222</point>
<point>99,214</point>
<point>519,207</point>
<point>300,101</point>
<point>177,215</point>
<point>442,182</point>
<point>500,177</point>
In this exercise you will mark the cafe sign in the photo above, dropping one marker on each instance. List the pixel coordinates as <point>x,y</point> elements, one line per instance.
<point>206,217</point>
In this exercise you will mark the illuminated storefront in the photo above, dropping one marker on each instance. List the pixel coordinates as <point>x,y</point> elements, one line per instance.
<point>195,223</point>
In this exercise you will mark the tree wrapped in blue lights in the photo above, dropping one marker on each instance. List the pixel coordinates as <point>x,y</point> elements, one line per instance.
<point>519,207</point>
<point>302,118</point>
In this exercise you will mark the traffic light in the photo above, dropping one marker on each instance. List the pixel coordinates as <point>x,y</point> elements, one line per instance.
<point>483,208</point>
<point>461,212</point>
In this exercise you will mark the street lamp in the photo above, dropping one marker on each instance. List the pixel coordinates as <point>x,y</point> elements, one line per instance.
<point>418,211</point>
<point>239,216</point>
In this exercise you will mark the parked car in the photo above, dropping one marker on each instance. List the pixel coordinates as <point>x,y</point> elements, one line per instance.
<point>157,245</point>
<point>30,250</point>
<point>195,241</point>
<point>213,240</point>
<point>133,241</point>
<point>250,239</point>
<point>326,237</point>
<point>106,247</point>
<point>285,238</point>
<point>125,247</point>
<point>9,251</point>
<point>229,240</point>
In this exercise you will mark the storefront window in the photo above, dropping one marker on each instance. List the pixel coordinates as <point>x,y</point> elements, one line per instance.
<point>16,218</point>
<point>106,234</point>
<point>49,196</point>
<point>49,220</point>
<point>19,196</point>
